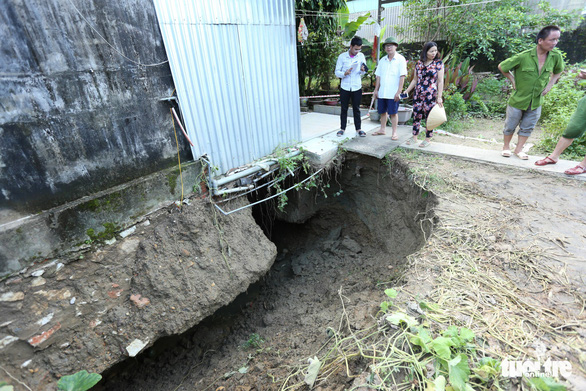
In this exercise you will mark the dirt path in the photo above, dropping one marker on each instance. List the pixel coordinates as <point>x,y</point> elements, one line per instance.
<point>506,260</point>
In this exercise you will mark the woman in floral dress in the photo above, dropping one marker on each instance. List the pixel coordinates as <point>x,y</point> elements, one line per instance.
<point>428,82</point>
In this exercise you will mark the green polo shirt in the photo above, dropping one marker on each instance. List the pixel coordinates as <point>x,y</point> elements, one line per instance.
<point>529,83</point>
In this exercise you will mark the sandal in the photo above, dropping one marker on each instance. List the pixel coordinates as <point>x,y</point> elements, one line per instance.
<point>340,133</point>
<point>576,170</point>
<point>394,138</point>
<point>424,144</point>
<point>378,133</point>
<point>361,133</point>
<point>545,161</point>
<point>410,141</point>
<point>506,153</point>
<point>522,155</point>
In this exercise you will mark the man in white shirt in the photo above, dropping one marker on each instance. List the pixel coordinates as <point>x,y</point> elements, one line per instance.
<point>350,67</point>
<point>390,77</point>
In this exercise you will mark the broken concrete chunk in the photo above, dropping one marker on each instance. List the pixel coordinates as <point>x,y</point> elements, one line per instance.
<point>110,241</point>
<point>139,301</point>
<point>26,363</point>
<point>41,338</point>
<point>135,347</point>
<point>12,296</point>
<point>7,341</point>
<point>44,320</point>
<point>55,294</point>
<point>128,231</point>
<point>38,281</point>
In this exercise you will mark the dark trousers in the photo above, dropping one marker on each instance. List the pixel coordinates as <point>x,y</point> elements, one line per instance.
<point>345,97</point>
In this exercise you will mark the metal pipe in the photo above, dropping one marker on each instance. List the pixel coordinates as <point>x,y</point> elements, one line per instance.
<point>268,198</point>
<point>254,189</point>
<point>234,190</point>
<point>222,181</point>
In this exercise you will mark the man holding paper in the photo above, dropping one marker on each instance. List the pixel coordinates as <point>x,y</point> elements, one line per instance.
<point>350,67</point>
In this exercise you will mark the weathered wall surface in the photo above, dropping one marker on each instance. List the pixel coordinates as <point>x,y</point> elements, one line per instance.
<point>91,309</point>
<point>75,116</point>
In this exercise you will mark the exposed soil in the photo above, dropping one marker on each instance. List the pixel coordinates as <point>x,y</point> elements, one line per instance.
<point>506,260</point>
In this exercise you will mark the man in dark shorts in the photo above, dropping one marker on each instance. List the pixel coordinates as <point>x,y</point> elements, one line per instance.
<point>390,77</point>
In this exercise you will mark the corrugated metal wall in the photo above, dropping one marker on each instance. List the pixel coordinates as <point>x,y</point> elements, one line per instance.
<point>234,65</point>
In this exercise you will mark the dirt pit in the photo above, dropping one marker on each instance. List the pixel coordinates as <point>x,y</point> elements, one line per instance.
<point>505,261</point>
<point>347,246</point>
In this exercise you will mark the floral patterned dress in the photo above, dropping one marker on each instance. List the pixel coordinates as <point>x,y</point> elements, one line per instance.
<point>425,93</point>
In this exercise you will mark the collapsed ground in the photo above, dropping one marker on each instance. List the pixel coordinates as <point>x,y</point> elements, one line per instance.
<point>505,260</point>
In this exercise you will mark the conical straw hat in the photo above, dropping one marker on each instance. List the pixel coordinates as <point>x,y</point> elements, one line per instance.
<point>436,117</point>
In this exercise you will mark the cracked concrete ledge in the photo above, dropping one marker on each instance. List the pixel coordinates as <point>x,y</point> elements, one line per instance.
<point>26,239</point>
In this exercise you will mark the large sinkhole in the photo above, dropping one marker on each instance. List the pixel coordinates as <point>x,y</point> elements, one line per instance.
<point>339,246</point>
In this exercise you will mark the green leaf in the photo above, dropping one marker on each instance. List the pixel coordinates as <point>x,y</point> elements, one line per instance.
<point>80,381</point>
<point>6,387</point>
<point>399,318</point>
<point>428,306</point>
<point>467,334</point>
<point>391,293</point>
<point>440,383</point>
<point>312,371</point>
<point>441,345</point>
<point>422,339</point>
<point>459,372</point>
<point>544,384</point>
<point>451,332</point>
<point>384,306</point>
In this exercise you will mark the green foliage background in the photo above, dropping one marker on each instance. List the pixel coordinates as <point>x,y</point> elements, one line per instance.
<point>559,105</point>
<point>480,29</point>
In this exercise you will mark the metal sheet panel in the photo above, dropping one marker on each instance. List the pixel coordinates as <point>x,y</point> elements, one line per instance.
<point>234,66</point>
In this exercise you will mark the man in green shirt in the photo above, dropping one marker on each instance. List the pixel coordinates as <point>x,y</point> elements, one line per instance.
<point>531,81</point>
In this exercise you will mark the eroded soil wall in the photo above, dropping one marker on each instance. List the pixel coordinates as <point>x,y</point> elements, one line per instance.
<point>335,253</point>
<point>100,307</point>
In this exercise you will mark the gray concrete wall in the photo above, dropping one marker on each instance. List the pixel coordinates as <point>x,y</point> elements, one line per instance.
<point>75,116</point>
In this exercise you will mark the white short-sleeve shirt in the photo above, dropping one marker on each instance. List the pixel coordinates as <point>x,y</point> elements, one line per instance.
<point>390,73</point>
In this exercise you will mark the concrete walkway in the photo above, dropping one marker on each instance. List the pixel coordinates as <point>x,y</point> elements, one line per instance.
<point>322,145</point>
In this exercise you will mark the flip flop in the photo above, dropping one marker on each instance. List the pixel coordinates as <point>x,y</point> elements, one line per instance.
<point>378,133</point>
<point>340,133</point>
<point>361,133</point>
<point>506,153</point>
<point>545,161</point>
<point>576,170</point>
<point>395,137</point>
<point>522,155</point>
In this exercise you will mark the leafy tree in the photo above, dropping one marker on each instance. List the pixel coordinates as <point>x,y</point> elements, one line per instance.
<point>478,29</point>
<point>317,56</point>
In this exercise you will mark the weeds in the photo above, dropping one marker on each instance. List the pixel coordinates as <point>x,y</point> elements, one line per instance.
<point>255,341</point>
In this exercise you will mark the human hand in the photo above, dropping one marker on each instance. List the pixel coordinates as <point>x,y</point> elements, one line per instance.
<point>397,97</point>
<point>440,101</point>
<point>375,94</point>
<point>546,90</point>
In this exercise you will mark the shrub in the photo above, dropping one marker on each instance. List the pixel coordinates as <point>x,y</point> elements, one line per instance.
<point>559,105</point>
<point>454,104</point>
<point>490,99</point>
